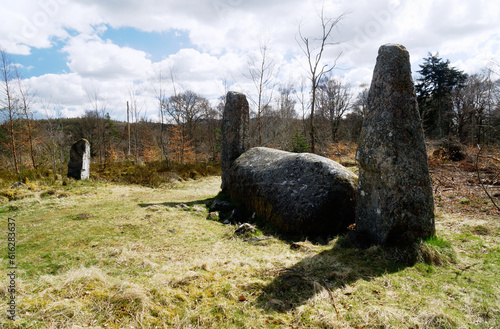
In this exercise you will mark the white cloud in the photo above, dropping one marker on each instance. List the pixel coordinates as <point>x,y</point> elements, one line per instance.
<point>89,56</point>
<point>224,32</point>
<point>359,77</point>
<point>31,24</point>
<point>63,88</point>
<point>200,72</point>
<point>113,72</point>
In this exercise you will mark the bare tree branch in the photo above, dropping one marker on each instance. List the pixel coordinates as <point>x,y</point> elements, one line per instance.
<point>6,74</point>
<point>262,72</point>
<point>314,57</point>
<point>26,98</point>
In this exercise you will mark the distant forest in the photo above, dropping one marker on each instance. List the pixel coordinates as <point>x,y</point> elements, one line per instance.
<point>453,106</point>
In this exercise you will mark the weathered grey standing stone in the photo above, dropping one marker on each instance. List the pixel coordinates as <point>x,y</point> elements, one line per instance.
<point>298,193</point>
<point>235,141</point>
<point>394,203</point>
<point>79,160</point>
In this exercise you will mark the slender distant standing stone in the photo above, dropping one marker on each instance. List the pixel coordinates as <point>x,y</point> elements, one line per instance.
<point>395,203</point>
<point>79,160</point>
<point>235,121</point>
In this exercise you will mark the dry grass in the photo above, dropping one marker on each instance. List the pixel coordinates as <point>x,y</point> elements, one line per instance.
<point>456,184</point>
<point>112,256</point>
<point>343,152</point>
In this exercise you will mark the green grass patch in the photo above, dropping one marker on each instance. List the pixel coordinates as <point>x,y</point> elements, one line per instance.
<point>438,242</point>
<point>108,255</point>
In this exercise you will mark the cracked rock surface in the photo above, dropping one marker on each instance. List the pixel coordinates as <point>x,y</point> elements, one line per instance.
<point>298,193</point>
<point>395,203</point>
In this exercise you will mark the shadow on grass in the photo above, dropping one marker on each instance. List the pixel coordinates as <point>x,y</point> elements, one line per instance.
<point>203,202</point>
<point>331,269</point>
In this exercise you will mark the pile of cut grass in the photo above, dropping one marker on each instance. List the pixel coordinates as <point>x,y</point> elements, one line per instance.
<point>104,255</point>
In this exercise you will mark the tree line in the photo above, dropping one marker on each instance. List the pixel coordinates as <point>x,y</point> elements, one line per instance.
<point>453,105</point>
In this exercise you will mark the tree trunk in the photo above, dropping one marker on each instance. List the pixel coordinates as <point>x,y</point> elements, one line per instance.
<point>12,139</point>
<point>313,142</point>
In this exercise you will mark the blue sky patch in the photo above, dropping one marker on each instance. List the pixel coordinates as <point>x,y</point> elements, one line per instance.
<point>42,61</point>
<point>157,44</point>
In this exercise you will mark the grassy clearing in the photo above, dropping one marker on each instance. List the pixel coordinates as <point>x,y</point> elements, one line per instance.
<point>102,255</point>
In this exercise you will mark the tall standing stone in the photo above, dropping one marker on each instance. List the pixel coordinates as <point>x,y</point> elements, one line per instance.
<point>235,121</point>
<point>79,160</point>
<point>395,203</point>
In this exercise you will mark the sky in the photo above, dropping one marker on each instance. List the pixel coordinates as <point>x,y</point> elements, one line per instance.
<point>73,52</point>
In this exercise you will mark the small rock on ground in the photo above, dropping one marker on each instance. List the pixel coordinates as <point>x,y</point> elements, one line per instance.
<point>213,215</point>
<point>302,246</point>
<point>199,208</point>
<point>182,206</point>
<point>219,205</point>
<point>243,228</point>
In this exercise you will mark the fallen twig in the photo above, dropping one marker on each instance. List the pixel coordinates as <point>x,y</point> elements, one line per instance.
<point>293,272</point>
<point>490,157</point>
<point>258,238</point>
<point>468,267</point>
<point>330,293</point>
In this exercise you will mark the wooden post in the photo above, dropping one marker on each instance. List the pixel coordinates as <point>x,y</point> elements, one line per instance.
<point>128,128</point>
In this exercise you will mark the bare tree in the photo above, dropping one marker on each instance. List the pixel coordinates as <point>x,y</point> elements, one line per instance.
<point>354,119</point>
<point>160,95</point>
<point>55,139</point>
<point>135,114</point>
<point>128,130</point>
<point>261,70</point>
<point>334,101</point>
<point>285,111</point>
<point>301,95</point>
<point>25,98</point>
<point>473,104</point>
<point>8,102</point>
<point>209,132</point>
<point>99,108</point>
<point>313,49</point>
<point>360,105</point>
<point>187,109</point>
<point>491,124</point>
